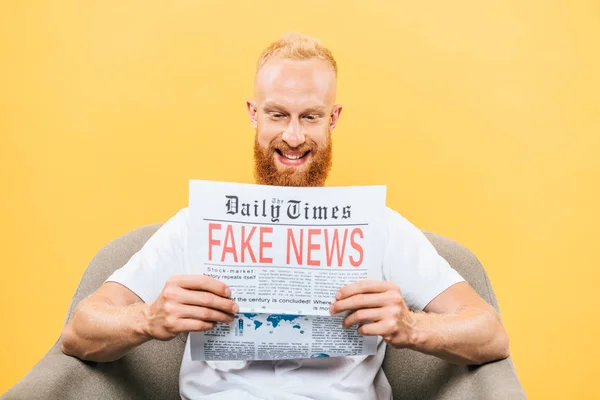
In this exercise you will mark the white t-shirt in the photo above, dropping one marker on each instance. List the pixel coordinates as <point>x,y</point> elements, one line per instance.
<point>409,260</point>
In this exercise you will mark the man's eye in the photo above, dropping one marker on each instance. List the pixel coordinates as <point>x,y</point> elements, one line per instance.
<point>311,117</point>
<point>276,115</point>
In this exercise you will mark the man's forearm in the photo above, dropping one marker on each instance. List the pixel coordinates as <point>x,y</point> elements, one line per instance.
<point>102,332</point>
<point>471,336</point>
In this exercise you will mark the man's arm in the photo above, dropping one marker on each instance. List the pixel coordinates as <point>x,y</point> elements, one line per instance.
<point>114,320</point>
<point>457,325</point>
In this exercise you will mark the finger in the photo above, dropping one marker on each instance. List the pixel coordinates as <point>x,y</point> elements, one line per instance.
<point>364,286</point>
<point>381,328</point>
<point>204,314</point>
<point>202,282</point>
<point>193,325</point>
<point>360,301</point>
<point>205,299</point>
<point>364,315</point>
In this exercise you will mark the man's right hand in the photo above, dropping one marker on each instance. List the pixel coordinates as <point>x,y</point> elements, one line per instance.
<point>188,303</point>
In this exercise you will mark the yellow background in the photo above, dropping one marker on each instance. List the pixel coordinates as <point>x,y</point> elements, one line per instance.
<point>482,117</point>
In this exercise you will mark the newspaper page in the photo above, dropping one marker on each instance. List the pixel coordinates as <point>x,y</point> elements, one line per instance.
<point>284,252</point>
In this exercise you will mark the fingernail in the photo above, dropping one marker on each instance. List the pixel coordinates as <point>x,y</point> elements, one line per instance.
<point>235,308</point>
<point>338,295</point>
<point>331,309</point>
<point>227,292</point>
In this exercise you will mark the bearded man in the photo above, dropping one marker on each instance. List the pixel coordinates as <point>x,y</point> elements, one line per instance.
<point>422,303</point>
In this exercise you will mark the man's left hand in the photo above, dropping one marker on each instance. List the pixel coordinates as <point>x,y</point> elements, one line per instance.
<point>381,307</point>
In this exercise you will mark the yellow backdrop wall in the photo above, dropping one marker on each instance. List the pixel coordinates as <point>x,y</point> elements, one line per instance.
<point>482,118</point>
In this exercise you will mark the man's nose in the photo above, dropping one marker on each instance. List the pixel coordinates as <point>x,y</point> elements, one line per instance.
<point>293,135</point>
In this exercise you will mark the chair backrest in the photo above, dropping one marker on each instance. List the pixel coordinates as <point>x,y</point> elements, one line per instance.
<point>152,370</point>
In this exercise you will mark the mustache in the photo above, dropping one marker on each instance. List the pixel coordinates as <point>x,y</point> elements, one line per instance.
<point>281,145</point>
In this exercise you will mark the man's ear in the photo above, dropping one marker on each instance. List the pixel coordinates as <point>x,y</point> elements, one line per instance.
<point>335,116</point>
<point>252,112</point>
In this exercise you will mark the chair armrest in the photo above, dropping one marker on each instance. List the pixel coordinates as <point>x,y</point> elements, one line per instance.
<point>146,372</point>
<point>494,381</point>
<point>57,376</point>
<point>413,375</point>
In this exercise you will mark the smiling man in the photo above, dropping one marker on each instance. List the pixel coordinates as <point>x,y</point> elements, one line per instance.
<point>293,113</point>
<point>422,303</point>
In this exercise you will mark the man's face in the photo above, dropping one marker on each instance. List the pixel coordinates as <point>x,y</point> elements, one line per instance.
<point>293,114</point>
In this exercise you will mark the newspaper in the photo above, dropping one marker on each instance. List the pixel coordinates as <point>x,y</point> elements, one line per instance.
<point>284,252</point>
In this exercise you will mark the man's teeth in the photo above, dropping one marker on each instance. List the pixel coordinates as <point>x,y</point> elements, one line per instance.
<point>292,157</point>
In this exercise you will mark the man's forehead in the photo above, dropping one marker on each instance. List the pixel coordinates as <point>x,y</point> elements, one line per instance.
<point>288,79</point>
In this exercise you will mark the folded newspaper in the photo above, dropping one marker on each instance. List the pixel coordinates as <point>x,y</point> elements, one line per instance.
<point>284,252</point>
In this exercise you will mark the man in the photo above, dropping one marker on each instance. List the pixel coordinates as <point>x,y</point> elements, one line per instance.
<point>421,304</point>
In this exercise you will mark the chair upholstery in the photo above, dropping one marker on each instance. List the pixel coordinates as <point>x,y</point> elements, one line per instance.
<point>151,371</point>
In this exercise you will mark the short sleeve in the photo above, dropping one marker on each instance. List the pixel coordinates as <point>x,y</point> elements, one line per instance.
<point>412,262</point>
<point>161,257</point>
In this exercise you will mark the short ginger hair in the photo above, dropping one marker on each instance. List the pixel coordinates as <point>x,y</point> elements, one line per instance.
<point>297,46</point>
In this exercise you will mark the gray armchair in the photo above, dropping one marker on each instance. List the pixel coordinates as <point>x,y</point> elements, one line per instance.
<point>151,371</point>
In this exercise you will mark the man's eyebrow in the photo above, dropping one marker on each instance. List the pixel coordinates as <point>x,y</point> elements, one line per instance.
<point>316,109</point>
<point>274,105</point>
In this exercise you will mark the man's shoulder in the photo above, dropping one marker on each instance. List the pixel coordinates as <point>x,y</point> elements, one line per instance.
<point>183,214</point>
<point>178,222</point>
<point>395,220</point>
<point>399,228</point>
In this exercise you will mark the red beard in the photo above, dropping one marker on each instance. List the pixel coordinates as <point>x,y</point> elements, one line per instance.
<point>266,171</point>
